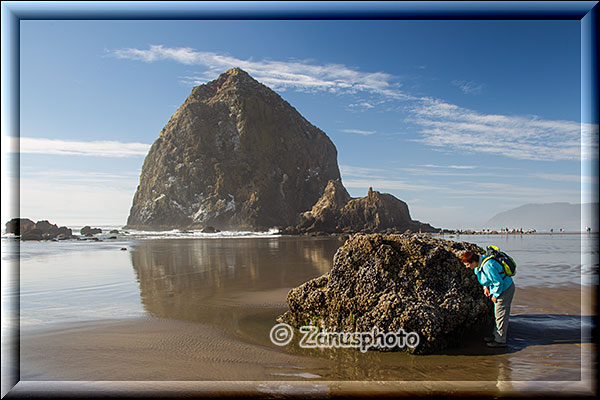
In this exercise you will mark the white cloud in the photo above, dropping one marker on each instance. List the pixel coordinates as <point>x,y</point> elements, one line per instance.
<point>443,125</point>
<point>78,148</point>
<point>565,178</point>
<point>279,75</point>
<point>362,105</point>
<point>518,194</point>
<point>127,180</point>
<point>387,185</point>
<point>469,87</point>
<point>448,126</point>
<point>359,131</point>
<point>361,172</point>
<point>449,166</point>
<point>589,142</point>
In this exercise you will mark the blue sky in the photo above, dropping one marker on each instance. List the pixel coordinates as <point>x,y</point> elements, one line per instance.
<point>460,119</point>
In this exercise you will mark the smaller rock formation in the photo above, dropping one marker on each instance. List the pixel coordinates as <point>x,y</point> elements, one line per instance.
<point>87,230</point>
<point>337,212</point>
<point>41,230</point>
<point>324,215</point>
<point>18,225</point>
<point>392,282</point>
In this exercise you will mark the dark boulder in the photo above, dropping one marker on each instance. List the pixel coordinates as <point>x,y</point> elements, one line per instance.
<point>33,234</point>
<point>48,230</point>
<point>17,226</point>
<point>87,230</point>
<point>210,229</point>
<point>392,282</point>
<point>41,230</point>
<point>65,232</point>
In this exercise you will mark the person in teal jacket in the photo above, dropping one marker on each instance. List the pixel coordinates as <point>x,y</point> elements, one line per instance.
<point>499,287</point>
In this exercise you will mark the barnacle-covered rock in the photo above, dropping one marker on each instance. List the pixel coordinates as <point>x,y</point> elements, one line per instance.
<point>392,282</point>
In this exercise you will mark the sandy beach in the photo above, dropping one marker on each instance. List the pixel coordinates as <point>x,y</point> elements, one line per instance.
<point>208,307</point>
<point>544,338</point>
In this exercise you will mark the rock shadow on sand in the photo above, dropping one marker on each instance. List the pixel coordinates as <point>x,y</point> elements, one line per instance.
<point>527,330</point>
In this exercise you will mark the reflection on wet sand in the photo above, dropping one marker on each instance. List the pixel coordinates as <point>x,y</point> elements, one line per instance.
<point>209,280</point>
<point>240,286</point>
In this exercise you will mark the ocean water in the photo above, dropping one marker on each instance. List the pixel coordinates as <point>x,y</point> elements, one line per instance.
<point>546,260</point>
<point>239,284</point>
<point>141,273</point>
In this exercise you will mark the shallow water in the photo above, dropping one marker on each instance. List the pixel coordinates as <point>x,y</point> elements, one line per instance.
<point>547,260</point>
<point>239,286</point>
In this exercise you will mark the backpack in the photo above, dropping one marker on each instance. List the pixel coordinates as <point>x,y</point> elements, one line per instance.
<point>510,266</point>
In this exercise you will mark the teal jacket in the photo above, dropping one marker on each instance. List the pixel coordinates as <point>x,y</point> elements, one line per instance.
<point>491,275</point>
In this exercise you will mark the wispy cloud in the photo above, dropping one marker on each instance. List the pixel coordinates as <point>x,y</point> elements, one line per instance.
<point>448,126</point>
<point>388,185</point>
<point>469,87</point>
<point>77,148</point>
<point>279,75</point>
<point>363,105</point>
<point>359,131</point>
<point>361,172</point>
<point>443,126</point>
<point>517,193</point>
<point>565,177</point>
<point>127,179</point>
<point>449,166</point>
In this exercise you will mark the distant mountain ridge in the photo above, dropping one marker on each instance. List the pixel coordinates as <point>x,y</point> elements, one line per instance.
<point>543,217</point>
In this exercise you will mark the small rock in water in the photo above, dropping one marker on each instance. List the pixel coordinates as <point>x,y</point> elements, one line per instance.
<point>210,229</point>
<point>87,230</point>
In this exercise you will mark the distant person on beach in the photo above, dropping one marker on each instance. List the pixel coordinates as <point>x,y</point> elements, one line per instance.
<point>499,287</point>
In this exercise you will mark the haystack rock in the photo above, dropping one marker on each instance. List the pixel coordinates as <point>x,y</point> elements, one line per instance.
<point>235,155</point>
<point>410,282</point>
<point>337,212</point>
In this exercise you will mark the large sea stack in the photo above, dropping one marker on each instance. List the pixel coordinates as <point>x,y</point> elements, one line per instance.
<point>235,155</point>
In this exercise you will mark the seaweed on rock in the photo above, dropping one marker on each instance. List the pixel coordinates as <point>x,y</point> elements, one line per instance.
<point>392,282</point>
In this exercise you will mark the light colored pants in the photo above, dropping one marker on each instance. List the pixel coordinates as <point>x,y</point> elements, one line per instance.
<point>502,314</point>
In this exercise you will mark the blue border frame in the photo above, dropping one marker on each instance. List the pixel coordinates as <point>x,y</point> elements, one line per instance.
<point>301,9</point>
<point>12,12</point>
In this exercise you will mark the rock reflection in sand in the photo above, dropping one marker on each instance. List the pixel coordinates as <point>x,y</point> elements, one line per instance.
<point>240,285</point>
<point>200,280</point>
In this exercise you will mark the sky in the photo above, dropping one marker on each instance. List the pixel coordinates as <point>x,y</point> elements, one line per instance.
<point>459,119</point>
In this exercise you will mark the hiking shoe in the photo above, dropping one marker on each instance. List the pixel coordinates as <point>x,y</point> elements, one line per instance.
<point>488,339</point>
<point>496,345</point>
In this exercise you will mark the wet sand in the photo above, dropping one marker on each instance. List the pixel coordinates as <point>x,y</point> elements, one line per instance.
<point>547,346</point>
<point>149,349</point>
<point>210,307</point>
